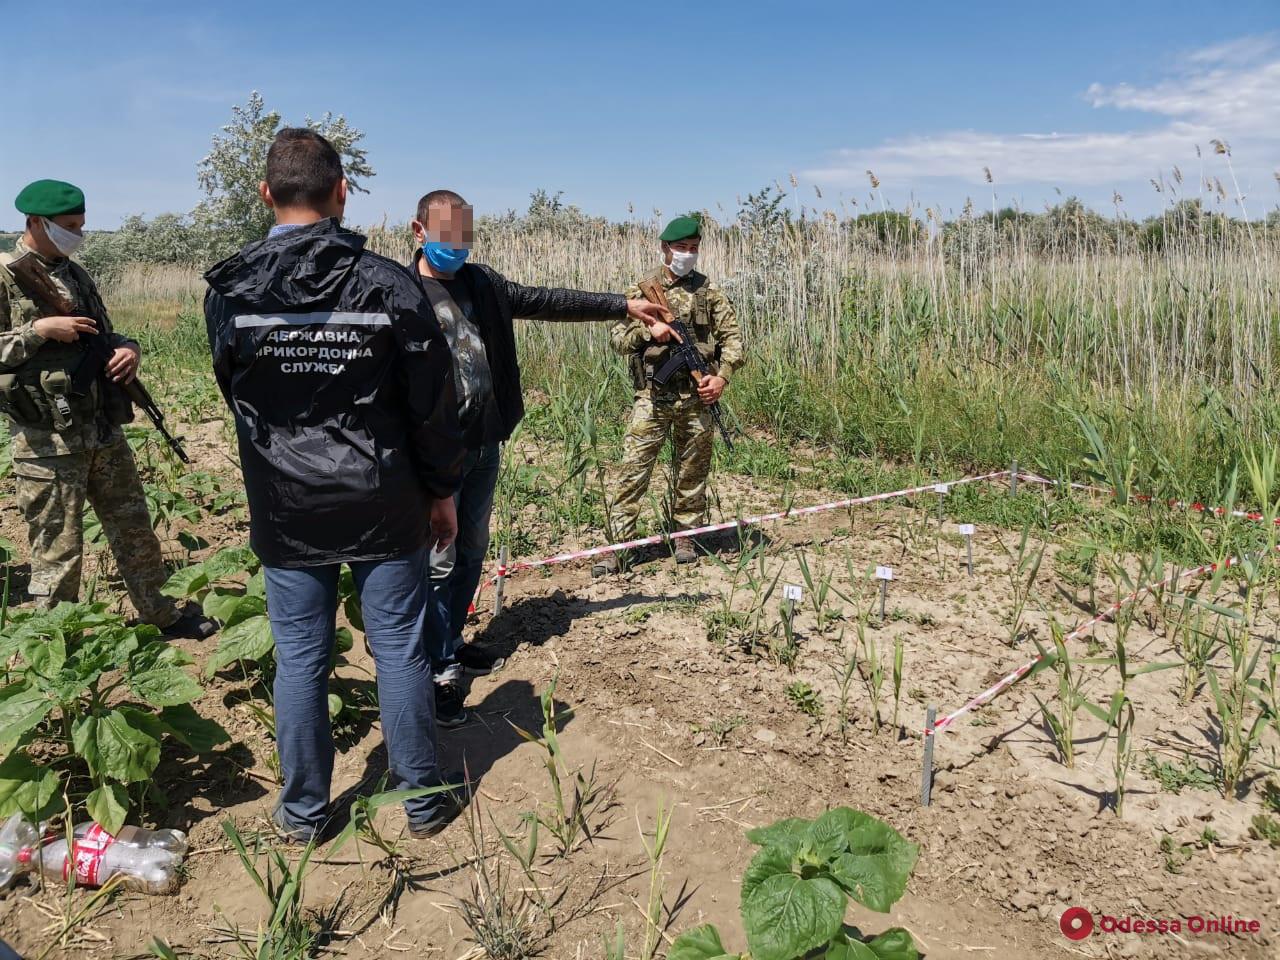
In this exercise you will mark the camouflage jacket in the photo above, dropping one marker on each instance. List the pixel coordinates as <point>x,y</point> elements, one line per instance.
<point>19,342</point>
<point>631,336</point>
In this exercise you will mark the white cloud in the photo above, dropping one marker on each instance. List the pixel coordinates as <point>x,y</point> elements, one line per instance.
<point>1229,92</point>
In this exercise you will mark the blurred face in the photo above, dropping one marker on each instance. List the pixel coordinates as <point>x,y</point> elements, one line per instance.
<point>453,226</point>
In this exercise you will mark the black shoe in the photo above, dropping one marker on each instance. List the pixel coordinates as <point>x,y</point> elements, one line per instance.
<point>191,625</point>
<point>479,662</point>
<point>449,710</point>
<point>290,833</point>
<point>448,809</point>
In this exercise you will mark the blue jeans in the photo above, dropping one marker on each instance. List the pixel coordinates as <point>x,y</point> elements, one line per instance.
<point>455,571</point>
<point>302,604</point>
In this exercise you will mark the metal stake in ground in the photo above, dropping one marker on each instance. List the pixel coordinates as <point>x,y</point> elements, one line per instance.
<point>926,775</point>
<point>966,531</point>
<point>502,579</point>
<point>1013,478</point>
<point>941,490</point>
<point>884,575</point>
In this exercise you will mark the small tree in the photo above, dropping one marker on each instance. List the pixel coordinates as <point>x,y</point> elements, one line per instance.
<point>232,211</point>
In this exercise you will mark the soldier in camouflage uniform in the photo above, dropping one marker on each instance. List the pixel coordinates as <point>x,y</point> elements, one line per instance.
<point>678,409</point>
<point>66,448</point>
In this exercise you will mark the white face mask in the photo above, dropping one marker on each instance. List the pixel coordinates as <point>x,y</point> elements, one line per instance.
<point>66,241</point>
<point>682,263</point>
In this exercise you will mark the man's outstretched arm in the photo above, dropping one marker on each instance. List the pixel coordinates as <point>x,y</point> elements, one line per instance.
<point>565,305</point>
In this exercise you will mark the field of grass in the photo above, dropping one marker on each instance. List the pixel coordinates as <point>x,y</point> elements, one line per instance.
<point>966,353</point>
<point>697,703</point>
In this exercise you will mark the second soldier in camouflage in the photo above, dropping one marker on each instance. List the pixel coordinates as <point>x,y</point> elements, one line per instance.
<point>678,409</point>
<point>68,448</point>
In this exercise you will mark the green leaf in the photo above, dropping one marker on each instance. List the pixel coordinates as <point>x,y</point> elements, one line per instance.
<point>879,862</point>
<point>220,603</point>
<point>108,805</point>
<point>843,948</point>
<point>198,733</point>
<point>786,917</point>
<point>165,686</point>
<point>186,582</point>
<point>895,944</point>
<point>21,708</point>
<point>247,640</point>
<point>343,641</point>
<point>230,561</point>
<point>829,835</point>
<point>125,753</point>
<point>45,655</point>
<point>787,834</point>
<point>350,599</point>
<point>84,738</point>
<point>26,788</point>
<point>700,943</point>
<point>769,862</point>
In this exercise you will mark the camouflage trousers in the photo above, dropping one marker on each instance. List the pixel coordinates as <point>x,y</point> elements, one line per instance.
<point>51,494</point>
<point>688,423</point>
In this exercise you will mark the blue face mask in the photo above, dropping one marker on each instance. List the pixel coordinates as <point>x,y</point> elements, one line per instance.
<point>443,257</point>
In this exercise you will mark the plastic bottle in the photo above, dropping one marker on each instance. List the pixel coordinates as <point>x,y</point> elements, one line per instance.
<point>148,859</point>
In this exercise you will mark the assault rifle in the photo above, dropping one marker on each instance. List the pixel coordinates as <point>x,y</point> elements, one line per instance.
<point>684,355</point>
<point>38,287</point>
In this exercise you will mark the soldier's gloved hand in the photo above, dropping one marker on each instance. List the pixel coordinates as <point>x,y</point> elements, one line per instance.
<point>64,329</point>
<point>123,365</point>
<point>710,388</point>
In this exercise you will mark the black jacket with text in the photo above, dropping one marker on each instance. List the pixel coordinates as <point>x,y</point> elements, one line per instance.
<point>341,384</point>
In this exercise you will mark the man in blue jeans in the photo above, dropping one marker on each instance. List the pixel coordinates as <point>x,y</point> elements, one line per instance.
<point>475,305</point>
<point>341,384</point>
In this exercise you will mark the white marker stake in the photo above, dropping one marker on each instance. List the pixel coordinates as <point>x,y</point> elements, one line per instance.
<point>792,593</point>
<point>884,575</point>
<point>966,531</point>
<point>1013,478</point>
<point>941,490</point>
<point>502,576</point>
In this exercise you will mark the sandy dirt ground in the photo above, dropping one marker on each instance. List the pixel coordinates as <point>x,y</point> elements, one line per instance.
<point>674,703</point>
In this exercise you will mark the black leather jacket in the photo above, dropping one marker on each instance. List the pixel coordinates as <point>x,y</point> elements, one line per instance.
<point>341,383</point>
<point>498,300</point>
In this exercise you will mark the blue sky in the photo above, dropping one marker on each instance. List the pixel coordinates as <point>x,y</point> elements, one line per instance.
<point>671,105</point>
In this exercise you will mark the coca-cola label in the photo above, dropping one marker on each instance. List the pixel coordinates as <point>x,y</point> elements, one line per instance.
<point>87,854</point>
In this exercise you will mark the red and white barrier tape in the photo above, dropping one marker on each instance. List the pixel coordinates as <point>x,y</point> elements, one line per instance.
<point>728,525</point>
<point>1009,680</point>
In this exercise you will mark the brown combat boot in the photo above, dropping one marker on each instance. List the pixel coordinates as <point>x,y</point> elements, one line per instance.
<point>686,550</point>
<point>607,566</point>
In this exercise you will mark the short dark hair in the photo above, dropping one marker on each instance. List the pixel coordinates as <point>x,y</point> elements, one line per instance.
<point>302,168</point>
<point>435,198</point>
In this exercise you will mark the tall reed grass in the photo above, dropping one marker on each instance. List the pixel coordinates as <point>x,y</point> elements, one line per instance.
<point>967,346</point>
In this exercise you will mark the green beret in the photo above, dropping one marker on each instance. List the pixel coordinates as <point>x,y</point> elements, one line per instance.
<point>50,198</point>
<point>681,228</point>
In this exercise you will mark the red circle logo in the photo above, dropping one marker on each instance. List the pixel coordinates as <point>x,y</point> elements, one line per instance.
<point>1076,923</point>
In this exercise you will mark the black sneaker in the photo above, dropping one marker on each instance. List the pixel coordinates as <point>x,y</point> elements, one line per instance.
<point>479,662</point>
<point>449,699</point>
<point>450,806</point>
<point>290,833</point>
<point>191,625</point>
